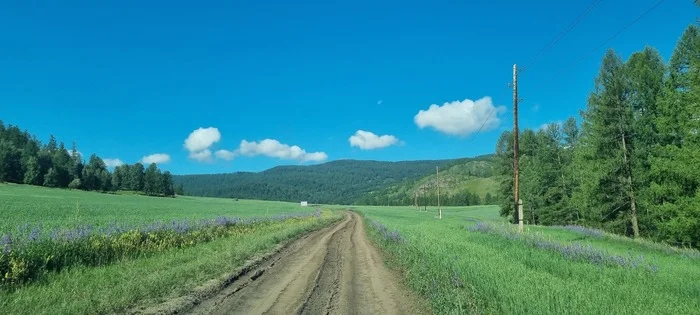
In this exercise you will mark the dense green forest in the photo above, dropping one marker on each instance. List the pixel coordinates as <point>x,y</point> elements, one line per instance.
<point>632,165</point>
<point>335,182</point>
<point>24,160</point>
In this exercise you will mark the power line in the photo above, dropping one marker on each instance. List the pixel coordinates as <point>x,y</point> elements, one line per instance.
<point>484,123</point>
<point>576,22</point>
<point>561,35</point>
<point>551,44</point>
<point>605,42</point>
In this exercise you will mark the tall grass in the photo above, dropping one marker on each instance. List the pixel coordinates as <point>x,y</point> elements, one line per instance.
<point>479,270</point>
<point>166,276</point>
<point>27,258</point>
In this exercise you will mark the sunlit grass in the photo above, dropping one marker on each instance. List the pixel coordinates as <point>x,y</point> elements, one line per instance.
<point>462,271</point>
<point>172,245</point>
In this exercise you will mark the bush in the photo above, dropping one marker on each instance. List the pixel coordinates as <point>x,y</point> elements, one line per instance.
<point>75,184</point>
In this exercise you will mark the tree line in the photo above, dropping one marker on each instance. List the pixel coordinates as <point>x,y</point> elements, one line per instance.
<point>25,160</point>
<point>335,182</point>
<point>406,198</point>
<point>632,165</point>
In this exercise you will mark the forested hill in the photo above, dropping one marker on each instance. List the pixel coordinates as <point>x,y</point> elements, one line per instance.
<point>463,182</point>
<point>336,182</point>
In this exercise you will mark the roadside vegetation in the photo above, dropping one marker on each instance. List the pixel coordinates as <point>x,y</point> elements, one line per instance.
<point>629,164</point>
<point>111,255</point>
<point>472,262</point>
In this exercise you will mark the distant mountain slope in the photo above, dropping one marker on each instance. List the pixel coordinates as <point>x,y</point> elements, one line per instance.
<point>336,182</point>
<point>462,182</point>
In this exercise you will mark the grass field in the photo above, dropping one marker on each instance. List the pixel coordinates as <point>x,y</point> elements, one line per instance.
<point>463,267</point>
<point>24,204</point>
<point>165,264</point>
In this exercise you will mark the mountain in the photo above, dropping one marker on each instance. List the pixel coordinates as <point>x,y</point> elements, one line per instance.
<point>335,182</point>
<point>467,181</point>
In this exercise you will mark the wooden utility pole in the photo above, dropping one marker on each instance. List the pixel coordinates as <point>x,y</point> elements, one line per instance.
<point>437,182</point>
<point>520,215</point>
<point>516,170</point>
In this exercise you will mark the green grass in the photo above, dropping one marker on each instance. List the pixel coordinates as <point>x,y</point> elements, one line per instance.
<point>117,287</point>
<point>461,272</point>
<point>137,281</point>
<point>24,204</point>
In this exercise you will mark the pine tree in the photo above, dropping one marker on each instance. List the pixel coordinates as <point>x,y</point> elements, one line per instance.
<point>52,145</point>
<point>10,163</point>
<point>675,176</point>
<point>105,180</point>
<point>152,180</point>
<point>167,184</point>
<point>31,173</point>
<point>136,178</point>
<point>61,161</point>
<point>117,177</point>
<point>504,170</point>
<point>76,163</point>
<point>93,177</point>
<point>608,144</point>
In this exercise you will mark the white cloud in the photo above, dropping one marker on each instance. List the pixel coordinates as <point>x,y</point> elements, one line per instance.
<point>201,139</point>
<point>158,158</point>
<point>201,156</point>
<point>225,155</point>
<point>461,117</point>
<point>366,140</point>
<point>273,148</point>
<point>113,162</point>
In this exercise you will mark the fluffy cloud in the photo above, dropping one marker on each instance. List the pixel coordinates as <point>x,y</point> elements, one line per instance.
<point>273,148</point>
<point>461,118</point>
<point>225,155</point>
<point>201,156</point>
<point>367,140</point>
<point>158,158</point>
<point>113,162</point>
<point>199,141</point>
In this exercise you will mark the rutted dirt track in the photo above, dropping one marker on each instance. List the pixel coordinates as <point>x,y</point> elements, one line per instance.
<point>332,271</point>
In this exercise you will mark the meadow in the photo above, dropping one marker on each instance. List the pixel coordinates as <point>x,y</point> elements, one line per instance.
<point>471,262</point>
<point>111,253</point>
<point>31,205</point>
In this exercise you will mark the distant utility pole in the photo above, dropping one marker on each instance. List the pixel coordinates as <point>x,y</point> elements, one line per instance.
<point>437,182</point>
<point>516,171</point>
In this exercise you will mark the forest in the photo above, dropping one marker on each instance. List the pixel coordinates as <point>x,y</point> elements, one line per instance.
<point>335,182</point>
<point>630,166</point>
<point>25,160</point>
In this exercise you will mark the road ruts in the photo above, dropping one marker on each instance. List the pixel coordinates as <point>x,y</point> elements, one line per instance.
<point>332,271</point>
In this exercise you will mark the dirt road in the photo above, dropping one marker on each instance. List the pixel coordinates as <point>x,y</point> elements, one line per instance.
<point>332,271</point>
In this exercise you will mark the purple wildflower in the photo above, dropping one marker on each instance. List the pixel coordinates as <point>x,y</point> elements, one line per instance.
<point>34,235</point>
<point>575,251</point>
<point>6,243</point>
<point>584,230</point>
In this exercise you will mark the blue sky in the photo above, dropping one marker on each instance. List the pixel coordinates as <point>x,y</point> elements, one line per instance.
<point>128,79</point>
